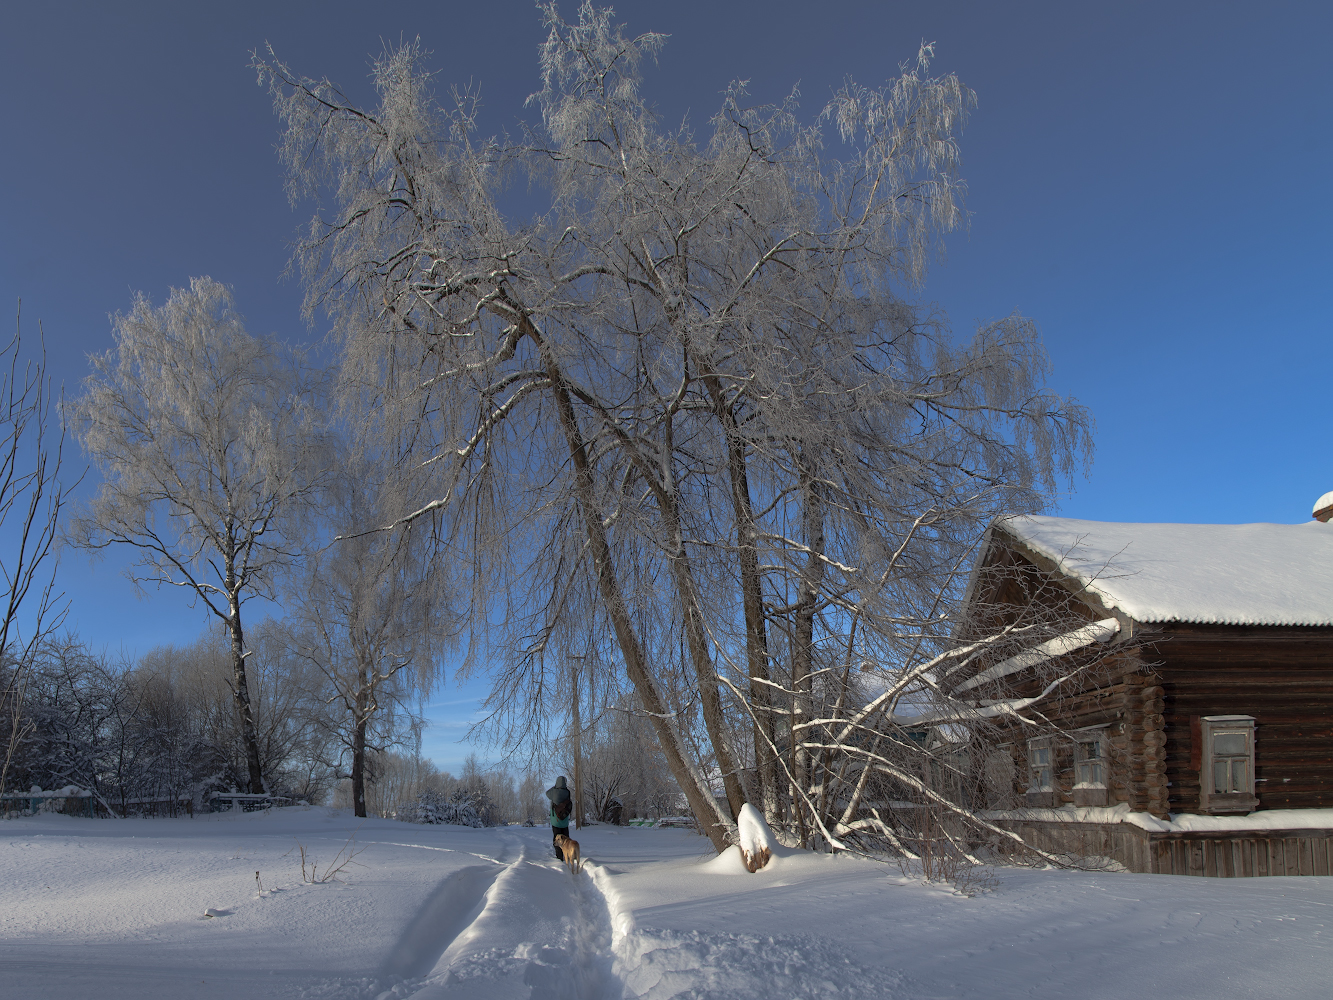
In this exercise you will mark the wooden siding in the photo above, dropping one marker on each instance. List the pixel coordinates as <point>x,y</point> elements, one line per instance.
<point>1204,854</point>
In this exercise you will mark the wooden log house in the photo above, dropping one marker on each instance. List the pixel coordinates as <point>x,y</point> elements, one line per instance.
<point>1201,740</point>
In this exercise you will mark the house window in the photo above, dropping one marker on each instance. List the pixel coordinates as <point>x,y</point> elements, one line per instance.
<point>1231,762</point>
<point>1041,773</point>
<point>1226,774</point>
<point>1000,778</point>
<point>1090,759</point>
<point>1090,763</point>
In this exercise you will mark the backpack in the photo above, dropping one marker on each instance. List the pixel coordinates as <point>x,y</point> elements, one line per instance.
<point>562,809</point>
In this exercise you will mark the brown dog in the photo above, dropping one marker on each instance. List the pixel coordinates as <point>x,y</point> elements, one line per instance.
<point>570,849</point>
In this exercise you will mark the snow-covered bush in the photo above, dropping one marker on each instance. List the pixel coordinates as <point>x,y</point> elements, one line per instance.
<point>456,809</point>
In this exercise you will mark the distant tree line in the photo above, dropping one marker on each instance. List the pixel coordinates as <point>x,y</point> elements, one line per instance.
<point>155,736</point>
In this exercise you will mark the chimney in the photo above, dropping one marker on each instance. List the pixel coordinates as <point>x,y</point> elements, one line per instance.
<point>1323,508</point>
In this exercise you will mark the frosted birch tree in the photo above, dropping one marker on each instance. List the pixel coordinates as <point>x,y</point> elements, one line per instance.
<point>691,400</point>
<point>199,431</point>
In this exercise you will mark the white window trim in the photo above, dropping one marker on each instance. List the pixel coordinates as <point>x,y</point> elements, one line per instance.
<point>1214,802</point>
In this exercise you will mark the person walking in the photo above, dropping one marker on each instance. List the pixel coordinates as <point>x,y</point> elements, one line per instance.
<point>562,807</point>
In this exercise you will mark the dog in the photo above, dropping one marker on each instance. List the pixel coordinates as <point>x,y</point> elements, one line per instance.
<point>570,849</point>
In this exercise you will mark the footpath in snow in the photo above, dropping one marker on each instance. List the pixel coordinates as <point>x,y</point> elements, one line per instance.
<point>110,909</point>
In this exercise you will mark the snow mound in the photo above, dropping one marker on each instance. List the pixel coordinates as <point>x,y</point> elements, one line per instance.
<point>729,862</point>
<point>756,839</point>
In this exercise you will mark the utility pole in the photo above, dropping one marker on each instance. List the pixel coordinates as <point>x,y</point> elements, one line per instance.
<point>578,743</point>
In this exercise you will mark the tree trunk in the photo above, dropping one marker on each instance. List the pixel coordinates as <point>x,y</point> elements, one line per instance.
<point>359,762</point>
<point>705,672</point>
<point>578,754</point>
<point>686,773</point>
<point>803,628</point>
<point>240,690</point>
<point>752,602</point>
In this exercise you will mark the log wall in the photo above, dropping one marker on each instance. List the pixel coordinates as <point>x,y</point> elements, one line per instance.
<point>1281,676</point>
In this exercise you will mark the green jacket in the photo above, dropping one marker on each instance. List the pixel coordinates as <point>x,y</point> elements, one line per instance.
<point>557,822</point>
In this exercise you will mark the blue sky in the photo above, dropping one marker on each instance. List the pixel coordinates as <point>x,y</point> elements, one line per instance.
<point>1149,182</point>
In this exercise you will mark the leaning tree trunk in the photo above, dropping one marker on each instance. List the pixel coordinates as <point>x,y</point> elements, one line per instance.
<point>240,690</point>
<point>687,775</point>
<point>752,603</point>
<point>705,672</point>
<point>803,627</point>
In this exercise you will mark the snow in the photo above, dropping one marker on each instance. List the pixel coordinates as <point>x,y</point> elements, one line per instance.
<point>112,909</point>
<point>1232,574</point>
<point>756,839</point>
<point>1264,819</point>
<point>1325,501</point>
<point>1061,645</point>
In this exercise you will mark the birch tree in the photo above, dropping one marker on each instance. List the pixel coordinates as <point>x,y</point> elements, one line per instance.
<point>691,400</point>
<point>199,431</point>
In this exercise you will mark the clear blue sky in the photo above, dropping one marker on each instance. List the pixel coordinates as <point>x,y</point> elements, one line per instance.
<point>1148,181</point>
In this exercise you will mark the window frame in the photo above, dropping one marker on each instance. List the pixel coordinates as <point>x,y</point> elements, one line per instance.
<point>1211,800</point>
<point>1092,793</point>
<point>1039,795</point>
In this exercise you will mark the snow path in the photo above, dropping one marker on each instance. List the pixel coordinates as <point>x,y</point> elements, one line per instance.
<point>114,910</point>
<point>540,933</point>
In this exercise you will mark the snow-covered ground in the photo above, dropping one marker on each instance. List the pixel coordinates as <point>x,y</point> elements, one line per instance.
<point>109,909</point>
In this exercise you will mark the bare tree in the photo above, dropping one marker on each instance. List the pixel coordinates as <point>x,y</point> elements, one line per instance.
<point>371,612</point>
<point>690,403</point>
<point>31,497</point>
<point>199,432</point>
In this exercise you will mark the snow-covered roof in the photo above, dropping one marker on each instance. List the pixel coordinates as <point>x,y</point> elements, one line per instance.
<point>1222,574</point>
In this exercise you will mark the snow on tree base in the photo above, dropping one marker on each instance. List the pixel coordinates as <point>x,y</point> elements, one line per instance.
<point>756,839</point>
